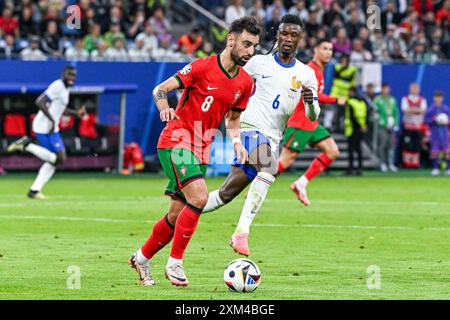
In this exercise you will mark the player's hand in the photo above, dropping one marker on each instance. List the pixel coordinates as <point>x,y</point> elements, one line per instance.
<point>167,114</point>
<point>81,112</point>
<point>307,95</point>
<point>241,153</point>
<point>341,101</point>
<point>364,130</point>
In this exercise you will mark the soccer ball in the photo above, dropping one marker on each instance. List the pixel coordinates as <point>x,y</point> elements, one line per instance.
<point>442,119</point>
<point>242,275</point>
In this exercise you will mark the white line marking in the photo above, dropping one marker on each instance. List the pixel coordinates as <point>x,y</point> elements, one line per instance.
<point>266,225</point>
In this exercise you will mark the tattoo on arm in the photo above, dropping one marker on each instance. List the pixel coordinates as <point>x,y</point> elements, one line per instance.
<point>159,95</point>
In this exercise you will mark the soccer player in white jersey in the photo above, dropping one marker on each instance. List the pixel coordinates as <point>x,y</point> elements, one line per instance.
<point>281,81</point>
<point>52,105</point>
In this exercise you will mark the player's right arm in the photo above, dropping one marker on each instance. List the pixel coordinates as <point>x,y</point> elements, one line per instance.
<point>166,113</point>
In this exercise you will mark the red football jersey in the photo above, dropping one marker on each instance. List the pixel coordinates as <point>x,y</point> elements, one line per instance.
<point>209,93</point>
<point>298,118</point>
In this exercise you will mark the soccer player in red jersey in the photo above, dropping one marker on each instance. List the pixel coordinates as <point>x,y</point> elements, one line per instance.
<point>302,131</point>
<point>214,88</point>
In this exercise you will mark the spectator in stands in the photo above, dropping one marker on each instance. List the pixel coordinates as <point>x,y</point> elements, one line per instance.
<point>276,5</point>
<point>9,24</point>
<point>51,14</point>
<point>379,46</point>
<point>444,13</point>
<point>421,7</point>
<point>27,25</point>
<point>99,54</point>
<point>299,9</point>
<point>117,52</point>
<point>330,15</point>
<point>413,107</point>
<point>115,17</point>
<point>88,20</point>
<point>341,43</point>
<point>161,25</point>
<point>312,25</point>
<point>353,12</point>
<point>396,46</point>
<point>364,36</point>
<point>138,24</point>
<point>318,8</point>
<point>9,49</point>
<point>51,41</point>
<point>390,15</point>
<point>359,53</point>
<point>190,42</point>
<point>166,52</point>
<point>257,11</point>
<point>91,40</point>
<point>32,52</point>
<point>139,52</point>
<point>355,128</point>
<point>149,38</point>
<point>388,116</point>
<point>113,33</point>
<point>77,51</point>
<point>206,50</point>
<point>272,26</point>
<point>354,24</point>
<point>304,53</point>
<point>234,11</point>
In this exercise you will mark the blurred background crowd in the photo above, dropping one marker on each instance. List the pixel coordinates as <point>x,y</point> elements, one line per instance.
<point>142,30</point>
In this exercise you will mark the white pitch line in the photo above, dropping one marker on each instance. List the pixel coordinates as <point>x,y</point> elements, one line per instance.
<point>263,225</point>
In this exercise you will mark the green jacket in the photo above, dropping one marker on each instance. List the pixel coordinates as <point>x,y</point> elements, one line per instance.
<point>387,108</point>
<point>343,80</point>
<point>355,116</point>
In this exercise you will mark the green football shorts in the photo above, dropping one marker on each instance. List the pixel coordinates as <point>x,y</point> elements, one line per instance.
<point>181,167</point>
<point>297,139</point>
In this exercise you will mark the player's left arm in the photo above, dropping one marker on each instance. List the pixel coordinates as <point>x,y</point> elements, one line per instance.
<point>310,97</point>
<point>76,113</point>
<point>233,124</point>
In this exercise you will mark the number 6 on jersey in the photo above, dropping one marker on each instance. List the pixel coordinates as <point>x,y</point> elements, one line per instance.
<point>207,103</point>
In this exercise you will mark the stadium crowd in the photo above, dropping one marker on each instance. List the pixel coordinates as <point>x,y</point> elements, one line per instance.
<point>409,31</point>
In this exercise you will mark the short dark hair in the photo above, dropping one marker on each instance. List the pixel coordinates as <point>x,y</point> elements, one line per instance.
<point>438,93</point>
<point>292,19</point>
<point>320,41</point>
<point>69,67</point>
<point>249,24</point>
<point>385,84</point>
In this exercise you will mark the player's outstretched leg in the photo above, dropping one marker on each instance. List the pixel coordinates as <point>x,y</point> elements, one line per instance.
<point>263,160</point>
<point>233,185</point>
<point>196,194</point>
<point>161,235</point>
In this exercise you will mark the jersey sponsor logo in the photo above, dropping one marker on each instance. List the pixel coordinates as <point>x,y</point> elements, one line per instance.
<point>212,88</point>
<point>186,69</point>
<point>295,84</point>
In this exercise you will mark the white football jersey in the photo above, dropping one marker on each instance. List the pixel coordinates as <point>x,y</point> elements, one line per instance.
<point>58,94</point>
<point>278,91</point>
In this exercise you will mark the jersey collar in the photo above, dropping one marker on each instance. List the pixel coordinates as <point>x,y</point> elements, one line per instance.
<point>282,64</point>
<point>225,71</point>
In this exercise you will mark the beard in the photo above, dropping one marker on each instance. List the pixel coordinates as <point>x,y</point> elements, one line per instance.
<point>237,59</point>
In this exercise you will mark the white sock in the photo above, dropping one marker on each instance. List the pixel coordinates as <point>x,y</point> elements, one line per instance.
<point>172,261</point>
<point>41,153</point>
<point>255,197</point>
<point>214,201</point>
<point>140,258</point>
<point>45,173</point>
<point>302,182</point>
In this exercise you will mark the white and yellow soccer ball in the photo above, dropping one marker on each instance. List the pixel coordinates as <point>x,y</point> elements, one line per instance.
<point>442,119</point>
<point>242,275</point>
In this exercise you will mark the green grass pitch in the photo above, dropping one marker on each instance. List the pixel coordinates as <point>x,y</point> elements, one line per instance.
<point>95,221</point>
